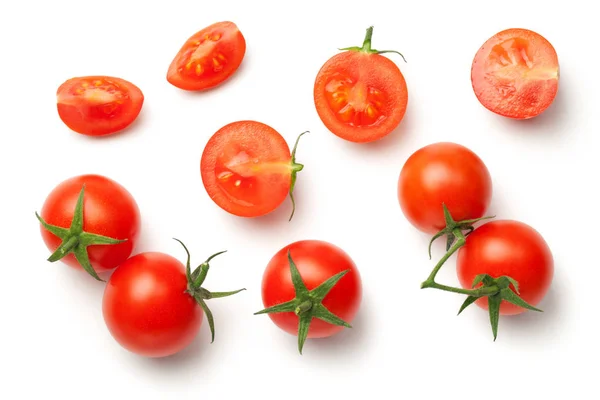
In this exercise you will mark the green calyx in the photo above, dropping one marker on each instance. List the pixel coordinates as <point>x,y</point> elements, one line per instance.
<point>366,47</point>
<point>308,303</point>
<point>296,167</point>
<point>195,280</point>
<point>75,240</point>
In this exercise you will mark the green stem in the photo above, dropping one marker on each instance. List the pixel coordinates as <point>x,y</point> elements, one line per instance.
<point>303,307</point>
<point>202,276</point>
<point>367,42</point>
<point>483,291</point>
<point>460,241</point>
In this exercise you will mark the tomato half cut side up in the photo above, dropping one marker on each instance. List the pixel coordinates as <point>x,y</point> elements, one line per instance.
<point>515,74</point>
<point>208,58</point>
<point>98,105</point>
<point>360,95</point>
<point>248,170</point>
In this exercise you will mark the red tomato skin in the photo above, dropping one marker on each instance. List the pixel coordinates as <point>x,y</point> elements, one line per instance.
<point>108,209</point>
<point>89,120</point>
<point>232,45</point>
<point>443,173</point>
<point>524,92</point>
<point>511,248</point>
<point>145,307</point>
<point>376,71</point>
<point>316,261</point>
<point>255,140</point>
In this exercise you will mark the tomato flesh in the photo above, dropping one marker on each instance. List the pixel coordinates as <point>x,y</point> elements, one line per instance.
<point>359,96</point>
<point>246,168</point>
<point>208,58</point>
<point>511,248</point>
<point>515,74</point>
<point>98,105</point>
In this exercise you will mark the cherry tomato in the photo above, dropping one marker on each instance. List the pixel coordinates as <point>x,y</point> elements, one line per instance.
<point>515,74</point>
<point>507,248</point>
<point>208,58</point>
<point>247,168</point>
<point>316,261</point>
<point>360,95</point>
<point>153,306</point>
<point>443,173</point>
<point>107,212</point>
<point>98,105</point>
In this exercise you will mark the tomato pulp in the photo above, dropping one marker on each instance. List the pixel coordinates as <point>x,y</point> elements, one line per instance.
<point>515,74</point>
<point>443,173</point>
<point>98,105</point>
<point>208,58</point>
<point>509,248</point>
<point>360,95</point>
<point>247,168</point>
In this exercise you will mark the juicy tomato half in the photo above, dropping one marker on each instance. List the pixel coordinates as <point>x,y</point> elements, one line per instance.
<point>360,95</point>
<point>507,248</point>
<point>443,173</point>
<point>515,74</point>
<point>98,105</point>
<point>247,168</point>
<point>208,58</point>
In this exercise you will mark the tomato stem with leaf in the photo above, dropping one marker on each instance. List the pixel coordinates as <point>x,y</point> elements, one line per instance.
<point>308,303</point>
<point>75,240</point>
<point>296,167</point>
<point>366,47</point>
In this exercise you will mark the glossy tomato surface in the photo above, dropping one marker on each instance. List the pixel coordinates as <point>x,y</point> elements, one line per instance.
<point>98,105</point>
<point>515,74</point>
<point>359,96</point>
<point>208,58</point>
<point>443,173</point>
<point>146,309</point>
<point>108,210</point>
<point>511,248</point>
<point>316,261</point>
<point>246,168</point>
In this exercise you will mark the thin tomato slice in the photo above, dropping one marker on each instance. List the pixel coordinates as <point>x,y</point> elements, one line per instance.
<point>208,58</point>
<point>98,105</point>
<point>515,74</point>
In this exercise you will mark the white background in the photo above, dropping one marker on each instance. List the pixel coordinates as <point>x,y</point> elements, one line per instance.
<point>405,340</point>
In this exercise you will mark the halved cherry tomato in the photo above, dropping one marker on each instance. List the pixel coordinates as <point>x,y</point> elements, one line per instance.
<point>515,74</point>
<point>247,168</point>
<point>360,95</point>
<point>208,58</point>
<point>98,105</point>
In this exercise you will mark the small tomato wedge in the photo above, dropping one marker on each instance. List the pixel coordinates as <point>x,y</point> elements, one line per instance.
<point>208,58</point>
<point>247,168</point>
<point>515,74</point>
<point>98,105</point>
<point>360,95</point>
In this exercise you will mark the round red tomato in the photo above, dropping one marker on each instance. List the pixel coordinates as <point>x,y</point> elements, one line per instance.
<point>443,173</point>
<point>507,248</point>
<point>515,74</point>
<point>316,261</point>
<point>98,105</point>
<point>208,58</point>
<point>107,211</point>
<point>247,168</point>
<point>360,95</point>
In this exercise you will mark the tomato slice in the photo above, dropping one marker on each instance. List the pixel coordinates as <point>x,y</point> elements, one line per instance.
<point>247,168</point>
<point>208,58</point>
<point>360,95</point>
<point>515,74</point>
<point>98,105</point>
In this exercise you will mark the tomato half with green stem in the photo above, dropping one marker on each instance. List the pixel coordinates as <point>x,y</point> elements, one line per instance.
<point>90,222</point>
<point>311,289</point>
<point>359,94</point>
<point>153,305</point>
<point>98,105</point>
<point>247,169</point>
<point>208,58</point>
<point>515,74</point>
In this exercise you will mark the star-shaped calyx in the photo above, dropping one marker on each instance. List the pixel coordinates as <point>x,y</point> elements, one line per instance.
<point>75,240</point>
<point>308,303</point>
